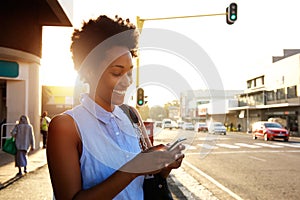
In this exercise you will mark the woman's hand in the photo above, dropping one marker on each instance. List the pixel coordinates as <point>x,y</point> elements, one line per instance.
<point>154,159</point>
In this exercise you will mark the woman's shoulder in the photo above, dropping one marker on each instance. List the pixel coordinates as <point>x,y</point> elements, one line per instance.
<point>61,120</point>
<point>62,124</point>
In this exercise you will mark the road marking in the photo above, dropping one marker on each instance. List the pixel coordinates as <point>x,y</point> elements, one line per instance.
<point>207,146</point>
<point>255,158</point>
<point>248,145</point>
<point>295,145</point>
<point>222,187</point>
<point>268,145</point>
<point>211,138</point>
<point>228,146</point>
<point>189,186</point>
<point>189,147</point>
<point>250,151</point>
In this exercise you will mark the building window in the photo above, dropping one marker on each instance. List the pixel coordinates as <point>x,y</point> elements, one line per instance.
<point>270,95</point>
<point>243,101</point>
<point>249,84</point>
<point>280,94</point>
<point>292,92</point>
<point>260,82</point>
<point>259,100</point>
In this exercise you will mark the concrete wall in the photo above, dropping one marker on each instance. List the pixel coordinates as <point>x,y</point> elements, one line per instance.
<point>23,94</point>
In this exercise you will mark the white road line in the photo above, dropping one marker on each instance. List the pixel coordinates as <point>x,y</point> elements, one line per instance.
<point>295,145</point>
<point>268,145</point>
<point>250,151</point>
<point>222,187</point>
<point>248,145</point>
<point>228,146</point>
<point>255,158</point>
<point>189,186</point>
<point>207,146</point>
<point>211,138</point>
<point>189,147</point>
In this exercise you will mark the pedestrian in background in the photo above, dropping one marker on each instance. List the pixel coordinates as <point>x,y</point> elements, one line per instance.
<point>45,120</point>
<point>94,151</point>
<point>24,135</point>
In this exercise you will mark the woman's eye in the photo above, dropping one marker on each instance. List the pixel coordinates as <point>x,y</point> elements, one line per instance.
<point>117,74</point>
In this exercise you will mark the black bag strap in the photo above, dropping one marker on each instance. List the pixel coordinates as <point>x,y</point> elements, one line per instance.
<point>130,113</point>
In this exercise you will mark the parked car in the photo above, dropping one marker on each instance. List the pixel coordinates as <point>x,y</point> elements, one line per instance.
<point>180,123</point>
<point>269,131</point>
<point>167,123</point>
<point>201,127</point>
<point>216,127</point>
<point>158,124</point>
<point>174,124</point>
<point>188,126</point>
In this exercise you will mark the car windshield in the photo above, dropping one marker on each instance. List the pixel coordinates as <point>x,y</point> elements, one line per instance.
<point>218,124</point>
<point>272,125</point>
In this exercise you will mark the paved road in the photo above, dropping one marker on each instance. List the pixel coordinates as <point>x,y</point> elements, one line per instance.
<point>237,167</point>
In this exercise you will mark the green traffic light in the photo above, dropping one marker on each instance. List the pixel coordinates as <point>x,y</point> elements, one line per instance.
<point>140,102</point>
<point>233,17</point>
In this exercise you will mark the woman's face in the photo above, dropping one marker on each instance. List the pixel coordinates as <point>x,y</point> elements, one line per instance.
<point>116,78</point>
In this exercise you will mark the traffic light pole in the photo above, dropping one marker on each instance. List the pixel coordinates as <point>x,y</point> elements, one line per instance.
<point>178,17</point>
<point>232,9</point>
<point>140,23</point>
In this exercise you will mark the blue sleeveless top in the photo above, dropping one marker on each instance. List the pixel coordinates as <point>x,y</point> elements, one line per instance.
<point>109,140</point>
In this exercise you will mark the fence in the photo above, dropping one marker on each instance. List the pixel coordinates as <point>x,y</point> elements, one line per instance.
<point>5,133</point>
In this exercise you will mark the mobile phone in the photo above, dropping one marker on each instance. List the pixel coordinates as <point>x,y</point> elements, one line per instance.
<point>177,142</point>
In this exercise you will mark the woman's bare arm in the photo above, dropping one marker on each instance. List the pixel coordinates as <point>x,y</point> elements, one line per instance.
<point>63,155</point>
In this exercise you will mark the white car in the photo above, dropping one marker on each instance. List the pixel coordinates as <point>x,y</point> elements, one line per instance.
<point>216,127</point>
<point>188,126</point>
<point>167,123</point>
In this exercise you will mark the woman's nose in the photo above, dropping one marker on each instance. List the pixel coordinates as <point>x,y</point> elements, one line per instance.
<point>126,80</point>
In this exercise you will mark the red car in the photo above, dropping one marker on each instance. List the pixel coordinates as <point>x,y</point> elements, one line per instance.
<point>201,127</point>
<point>269,131</point>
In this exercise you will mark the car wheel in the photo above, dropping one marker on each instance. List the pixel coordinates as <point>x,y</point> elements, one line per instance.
<point>254,137</point>
<point>224,133</point>
<point>286,139</point>
<point>266,137</point>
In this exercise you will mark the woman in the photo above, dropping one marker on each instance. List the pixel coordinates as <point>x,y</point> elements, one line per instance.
<point>93,150</point>
<point>23,133</point>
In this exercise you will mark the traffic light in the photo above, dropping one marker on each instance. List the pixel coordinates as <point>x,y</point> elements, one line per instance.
<point>231,13</point>
<point>140,97</point>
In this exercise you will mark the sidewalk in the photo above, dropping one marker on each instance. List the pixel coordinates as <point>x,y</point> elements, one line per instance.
<point>8,171</point>
<point>38,159</point>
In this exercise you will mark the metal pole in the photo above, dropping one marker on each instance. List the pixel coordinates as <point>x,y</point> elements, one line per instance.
<point>140,23</point>
<point>248,128</point>
<point>177,17</point>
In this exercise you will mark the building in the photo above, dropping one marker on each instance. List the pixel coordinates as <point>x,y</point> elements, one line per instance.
<point>21,25</point>
<point>57,99</point>
<point>203,105</point>
<point>273,95</point>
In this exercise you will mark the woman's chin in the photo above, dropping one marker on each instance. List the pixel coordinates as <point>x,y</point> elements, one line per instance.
<point>117,99</point>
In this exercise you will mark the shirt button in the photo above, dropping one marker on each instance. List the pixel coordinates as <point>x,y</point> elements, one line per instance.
<point>117,133</point>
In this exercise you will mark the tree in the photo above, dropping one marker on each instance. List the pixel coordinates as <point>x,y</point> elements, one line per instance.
<point>157,113</point>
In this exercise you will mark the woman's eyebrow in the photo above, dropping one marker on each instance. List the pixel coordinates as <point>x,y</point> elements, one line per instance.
<point>121,66</point>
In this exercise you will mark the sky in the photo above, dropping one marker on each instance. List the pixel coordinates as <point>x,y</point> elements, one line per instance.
<point>239,52</point>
